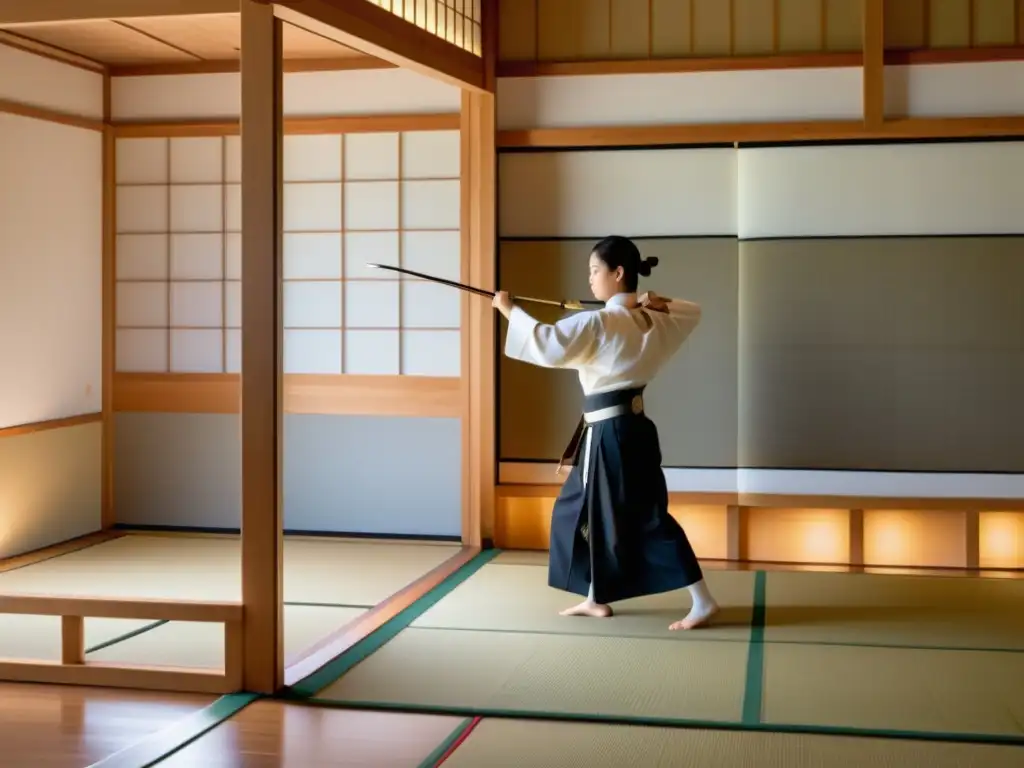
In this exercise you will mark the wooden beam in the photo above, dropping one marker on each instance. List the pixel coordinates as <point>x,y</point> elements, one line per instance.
<point>220,66</point>
<point>380,33</point>
<point>874,63</point>
<point>43,426</point>
<point>441,121</point>
<point>46,11</point>
<point>262,345</point>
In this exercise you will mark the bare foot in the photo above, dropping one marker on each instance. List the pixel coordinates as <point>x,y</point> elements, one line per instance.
<point>696,618</point>
<point>587,608</point>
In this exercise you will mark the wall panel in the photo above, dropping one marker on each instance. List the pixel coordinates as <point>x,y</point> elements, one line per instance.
<point>887,189</point>
<point>861,342</point>
<point>49,487</point>
<point>884,354</point>
<point>976,89</point>
<point>184,470</point>
<point>39,81</point>
<point>51,249</point>
<point>679,98</point>
<point>671,193</point>
<point>306,94</point>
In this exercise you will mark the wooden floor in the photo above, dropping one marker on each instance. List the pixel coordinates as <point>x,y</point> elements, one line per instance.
<point>52,726</point>
<point>274,733</point>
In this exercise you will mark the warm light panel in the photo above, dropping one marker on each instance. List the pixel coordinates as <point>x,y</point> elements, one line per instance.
<point>798,535</point>
<point>919,538</point>
<point>1001,539</point>
<point>706,527</point>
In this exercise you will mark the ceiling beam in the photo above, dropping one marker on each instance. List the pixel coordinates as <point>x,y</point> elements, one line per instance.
<point>368,28</point>
<point>47,11</point>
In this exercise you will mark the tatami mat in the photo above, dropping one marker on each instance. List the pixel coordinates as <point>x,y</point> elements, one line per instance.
<point>201,645</point>
<point>316,570</point>
<point>515,598</point>
<point>518,672</point>
<point>918,611</point>
<point>499,743</point>
<point>38,638</point>
<point>895,689</point>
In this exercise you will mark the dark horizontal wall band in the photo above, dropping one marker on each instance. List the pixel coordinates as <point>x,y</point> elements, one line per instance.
<point>588,238</point>
<point>875,142</point>
<point>626,148</point>
<point>782,468</point>
<point>765,144</point>
<point>919,236</point>
<point>737,238</point>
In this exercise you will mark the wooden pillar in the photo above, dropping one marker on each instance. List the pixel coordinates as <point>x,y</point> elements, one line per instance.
<point>479,449</point>
<point>736,533</point>
<point>972,539</point>
<point>262,341</point>
<point>874,63</point>
<point>479,240</point>
<point>856,555</point>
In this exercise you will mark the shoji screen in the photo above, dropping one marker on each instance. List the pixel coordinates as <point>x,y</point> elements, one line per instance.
<point>388,198</point>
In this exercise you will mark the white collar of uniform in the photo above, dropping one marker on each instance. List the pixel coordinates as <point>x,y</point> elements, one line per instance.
<point>622,300</point>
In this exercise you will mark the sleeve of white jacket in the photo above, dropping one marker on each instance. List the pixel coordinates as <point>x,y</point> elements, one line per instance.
<point>569,343</point>
<point>682,317</point>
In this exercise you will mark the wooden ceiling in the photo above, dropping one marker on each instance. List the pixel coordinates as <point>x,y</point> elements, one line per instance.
<point>180,44</point>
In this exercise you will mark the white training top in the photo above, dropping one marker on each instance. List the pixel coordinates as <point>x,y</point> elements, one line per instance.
<point>612,348</point>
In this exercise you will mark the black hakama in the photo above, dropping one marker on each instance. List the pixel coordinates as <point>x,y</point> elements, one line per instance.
<point>613,527</point>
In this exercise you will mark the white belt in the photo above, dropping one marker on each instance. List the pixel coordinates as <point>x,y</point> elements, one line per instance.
<point>636,407</point>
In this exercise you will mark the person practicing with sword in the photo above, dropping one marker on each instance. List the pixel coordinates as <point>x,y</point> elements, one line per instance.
<point>612,537</point>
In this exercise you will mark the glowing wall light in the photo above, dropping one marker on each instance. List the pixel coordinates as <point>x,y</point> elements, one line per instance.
<point>706,528</point>
<point>1001,539</point>
<point>456,21</point>
<point>523,522</point>
<point>914,538</point>
<point>798,535</point>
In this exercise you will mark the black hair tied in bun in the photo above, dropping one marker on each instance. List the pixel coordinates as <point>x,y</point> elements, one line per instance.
<point>646,265</point>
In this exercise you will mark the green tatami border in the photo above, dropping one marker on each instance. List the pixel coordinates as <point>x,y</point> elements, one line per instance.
<point>670,722</point>
<point>308,687</point>
<point>157,747</point>
<point>754,688</point>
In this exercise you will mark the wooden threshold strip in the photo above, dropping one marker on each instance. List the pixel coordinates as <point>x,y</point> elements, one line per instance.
<point>57,550</point>
<point>303,393</point>
<point>443,121</point>
<point>783,132</point>
<point>43,426</point>
<point>359,628</point>
<point>49,115</point>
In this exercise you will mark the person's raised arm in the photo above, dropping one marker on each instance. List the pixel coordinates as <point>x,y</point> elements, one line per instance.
<point>569,343</point>
<point>685,315</point>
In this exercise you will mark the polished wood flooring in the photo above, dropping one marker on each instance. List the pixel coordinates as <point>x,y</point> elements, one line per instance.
<point>54,726</point>
<point>275,734</point>
<point>74,727</point>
